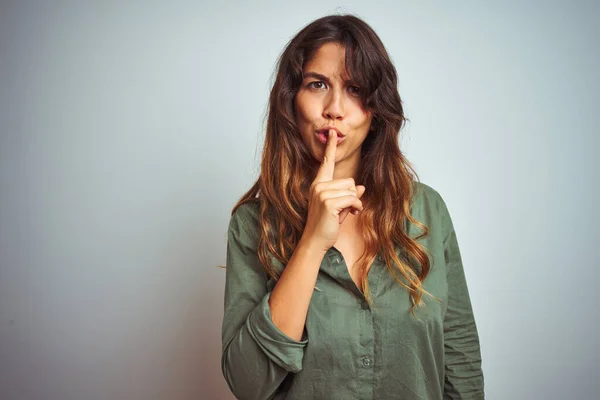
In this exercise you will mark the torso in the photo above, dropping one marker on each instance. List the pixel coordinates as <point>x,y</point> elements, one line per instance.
<point>351,244</point>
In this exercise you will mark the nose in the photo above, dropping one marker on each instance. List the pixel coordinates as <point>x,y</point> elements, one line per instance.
<point>334,107</point>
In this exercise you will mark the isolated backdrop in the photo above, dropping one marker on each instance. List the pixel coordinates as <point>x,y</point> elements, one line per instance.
<point>128,130</point>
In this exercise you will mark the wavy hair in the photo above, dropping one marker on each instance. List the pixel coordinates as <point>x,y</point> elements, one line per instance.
<point>287,167</point>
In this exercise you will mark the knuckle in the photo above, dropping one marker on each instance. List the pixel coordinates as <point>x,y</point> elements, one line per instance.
<point>315,187</point>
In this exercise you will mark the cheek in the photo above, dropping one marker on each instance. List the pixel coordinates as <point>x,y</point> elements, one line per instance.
<point>306,110</point>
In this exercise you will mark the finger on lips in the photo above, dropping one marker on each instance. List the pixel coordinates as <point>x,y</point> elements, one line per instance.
<point>325,172</point>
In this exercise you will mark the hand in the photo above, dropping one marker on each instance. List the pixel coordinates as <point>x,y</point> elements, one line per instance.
<point>330,200</point>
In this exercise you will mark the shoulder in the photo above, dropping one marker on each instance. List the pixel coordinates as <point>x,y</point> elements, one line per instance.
<point>248,210</point>
<point>426,197</point>
<point>245,217</point>
<point>430,207</point>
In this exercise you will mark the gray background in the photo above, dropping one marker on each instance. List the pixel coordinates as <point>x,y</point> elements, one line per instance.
<point>128,131</point>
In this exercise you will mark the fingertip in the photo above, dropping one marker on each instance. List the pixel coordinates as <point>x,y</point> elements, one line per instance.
<point>332,136</point>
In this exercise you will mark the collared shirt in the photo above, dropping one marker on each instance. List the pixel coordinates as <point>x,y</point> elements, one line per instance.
<point>350,350</point>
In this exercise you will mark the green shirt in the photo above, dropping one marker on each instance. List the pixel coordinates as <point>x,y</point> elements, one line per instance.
<point>350,350</point>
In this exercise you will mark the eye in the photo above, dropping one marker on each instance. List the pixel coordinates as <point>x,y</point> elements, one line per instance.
<point>311,85</point>
<point>355,90</point>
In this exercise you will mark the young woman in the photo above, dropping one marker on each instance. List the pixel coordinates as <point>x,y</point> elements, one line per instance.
<point>344,279</point>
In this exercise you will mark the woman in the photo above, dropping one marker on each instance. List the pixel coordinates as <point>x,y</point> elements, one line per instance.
<point>344,277</point>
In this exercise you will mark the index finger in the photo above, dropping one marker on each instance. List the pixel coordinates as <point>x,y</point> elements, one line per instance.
<point>325,172</point>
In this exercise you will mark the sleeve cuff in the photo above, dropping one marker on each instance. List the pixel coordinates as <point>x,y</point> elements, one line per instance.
<point>279,347</point>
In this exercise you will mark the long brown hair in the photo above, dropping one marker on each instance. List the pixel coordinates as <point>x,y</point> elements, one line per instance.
<point>288,168</point>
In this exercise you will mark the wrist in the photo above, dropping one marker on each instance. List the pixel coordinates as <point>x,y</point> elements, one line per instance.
<point>311,247</point>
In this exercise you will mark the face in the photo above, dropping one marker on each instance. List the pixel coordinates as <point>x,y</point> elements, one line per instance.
<point>326,98</point>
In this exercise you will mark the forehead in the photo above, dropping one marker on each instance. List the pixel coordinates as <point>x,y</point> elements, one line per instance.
<point>329,60</point>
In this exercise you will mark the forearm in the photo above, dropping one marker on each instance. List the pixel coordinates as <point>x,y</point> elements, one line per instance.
<point>291,295</point>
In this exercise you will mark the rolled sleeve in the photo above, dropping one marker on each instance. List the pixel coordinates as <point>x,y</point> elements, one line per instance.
<point>280,348</point>
<point>463,372</point>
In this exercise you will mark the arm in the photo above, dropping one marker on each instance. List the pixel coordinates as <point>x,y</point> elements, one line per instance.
<point>291,296</point>
<point>256,356</point>
<point>464,376</point>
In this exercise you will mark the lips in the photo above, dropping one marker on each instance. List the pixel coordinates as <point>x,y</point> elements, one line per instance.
<point>325,131</point>
<point>322,137</point>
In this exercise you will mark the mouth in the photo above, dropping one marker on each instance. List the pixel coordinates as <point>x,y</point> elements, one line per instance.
<point>322,135</point>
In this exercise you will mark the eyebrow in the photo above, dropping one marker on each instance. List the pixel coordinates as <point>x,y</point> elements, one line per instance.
<point>322,77</point>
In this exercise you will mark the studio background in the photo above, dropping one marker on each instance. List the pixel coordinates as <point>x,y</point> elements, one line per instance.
<point>130,129</point>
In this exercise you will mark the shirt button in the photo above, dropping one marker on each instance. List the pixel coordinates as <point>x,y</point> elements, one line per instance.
<point>366,361</point>
<point>364,305</point>
<point>380,258</point>
<point>336,260</point>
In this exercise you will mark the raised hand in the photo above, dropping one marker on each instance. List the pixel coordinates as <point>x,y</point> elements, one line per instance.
<point>330,200</point>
